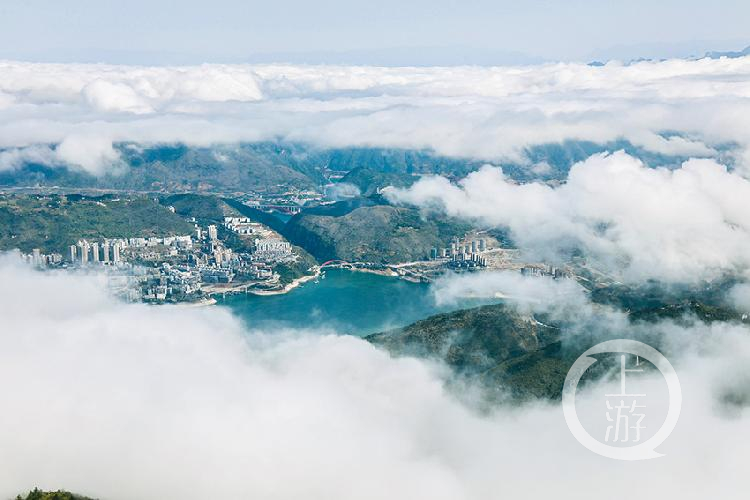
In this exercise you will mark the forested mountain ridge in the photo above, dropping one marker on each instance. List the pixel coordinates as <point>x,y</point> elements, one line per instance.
<point>264,166</point>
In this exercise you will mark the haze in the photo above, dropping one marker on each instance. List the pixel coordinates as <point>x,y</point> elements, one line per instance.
<point>358,32</point>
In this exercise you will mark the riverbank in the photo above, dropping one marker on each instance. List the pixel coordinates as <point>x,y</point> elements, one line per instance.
<point>209,301</point>
<point>223,289</point>
<point>393,271</point>
<point>389,273</point>
<point>289,287</point>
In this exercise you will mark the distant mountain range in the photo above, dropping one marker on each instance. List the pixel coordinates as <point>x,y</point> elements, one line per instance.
<point>696,49</point>
<point>364,228</point>
<point>730,54</point>
<point>405,56</point>
<point>271,166</point>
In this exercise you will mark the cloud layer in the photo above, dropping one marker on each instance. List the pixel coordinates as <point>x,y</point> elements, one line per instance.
<point>684,225</point>
<point>129,401</point>
<point>675,107</point>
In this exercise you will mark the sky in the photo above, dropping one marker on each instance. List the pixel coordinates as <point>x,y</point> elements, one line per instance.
<point>387,32</point>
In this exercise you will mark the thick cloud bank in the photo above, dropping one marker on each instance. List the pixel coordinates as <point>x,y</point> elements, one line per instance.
<point>676,107</point>
<point>686,224</point>
<point>129,401</point>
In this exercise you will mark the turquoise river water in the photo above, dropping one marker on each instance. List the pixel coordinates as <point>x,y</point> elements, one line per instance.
<point>349,302</point>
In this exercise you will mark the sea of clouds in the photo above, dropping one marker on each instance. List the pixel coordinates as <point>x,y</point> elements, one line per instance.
<point>676,107</point>
<point>123,401</point>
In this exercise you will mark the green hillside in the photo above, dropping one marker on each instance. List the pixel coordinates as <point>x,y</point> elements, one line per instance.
<point>379,233</point>
<point>211,208</point>
<point>54,222</point>
<point>493,345</point>
<point>177,168</point>
<point>527,356</point>
<point>274,166</point>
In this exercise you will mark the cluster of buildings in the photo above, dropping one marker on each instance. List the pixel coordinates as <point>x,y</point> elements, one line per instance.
<point>207,262</point>
<point>40,260</point>
<point>177,268</point>
<point>467,261</point>
<point>171,282</point>
<point>273,250</point>
<point>543,270</point>
<point>220,264</point>
<point>463,254</point>
<point>268,247</point>
<point>241,225</point>
<point>116,251</point>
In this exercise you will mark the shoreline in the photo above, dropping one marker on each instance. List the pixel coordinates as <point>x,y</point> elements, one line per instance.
<point>209,301</point>
<point>213,290</point>
<point>388,273</point>
<point>245,288</point>
<point>289,286</point>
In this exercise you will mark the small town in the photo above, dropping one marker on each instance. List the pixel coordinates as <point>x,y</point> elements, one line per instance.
<point>184,268</point>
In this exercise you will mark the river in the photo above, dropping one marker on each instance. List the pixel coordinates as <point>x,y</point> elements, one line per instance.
<point>349,302</point>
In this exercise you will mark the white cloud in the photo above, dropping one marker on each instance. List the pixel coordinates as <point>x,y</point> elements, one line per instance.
<point>107,96</point>
<point>739,297</point>
<point>89,152</point>
<point>534,293</point>
<point>14,158</point>
<point>130,401</point>
<point>342,191</point>
<point>686,108</point>
<point>684,225</point>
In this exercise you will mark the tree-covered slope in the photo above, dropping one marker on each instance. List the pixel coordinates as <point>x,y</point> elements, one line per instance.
<point>503,351</point>
<point>213,209</point>
<point>378,233</point>
<point>274,166</point>
<point>528,356</point>
<point>176,168</point>
<point>471,339</point>
<point>52,223</point>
